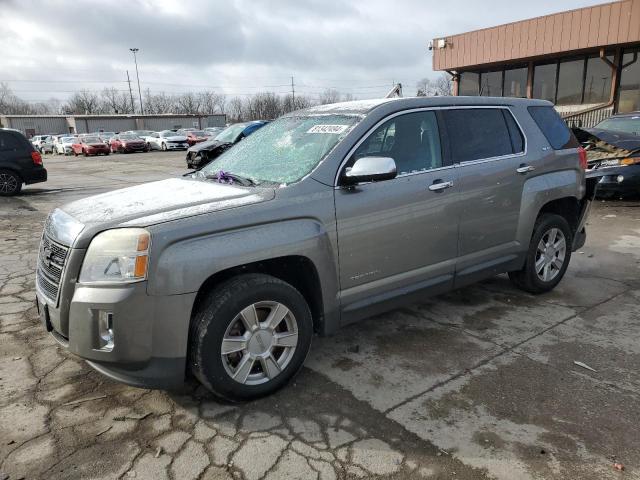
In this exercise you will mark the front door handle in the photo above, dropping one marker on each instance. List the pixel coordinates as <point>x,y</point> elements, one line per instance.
<point>439,185</point>
<point>524,168</point>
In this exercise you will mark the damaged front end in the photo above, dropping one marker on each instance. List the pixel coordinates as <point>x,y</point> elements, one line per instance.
<point>613,161</point>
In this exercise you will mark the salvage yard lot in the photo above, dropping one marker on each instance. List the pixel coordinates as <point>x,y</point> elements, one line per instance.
<point>479,383</point>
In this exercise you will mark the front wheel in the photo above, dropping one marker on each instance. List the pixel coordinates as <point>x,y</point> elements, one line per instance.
<point>249,337</point>
<point>164,147</point>
<point>548,256</point>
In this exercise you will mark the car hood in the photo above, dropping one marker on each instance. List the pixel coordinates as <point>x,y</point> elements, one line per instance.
<point>626,141</point>
<point>208,145</point>
<point>95,145</point>
<point>161,201</point>
<point>176,138</point>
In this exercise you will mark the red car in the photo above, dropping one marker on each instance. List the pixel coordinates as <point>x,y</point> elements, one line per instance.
<point>89,146</point>
<point>127,142</point>
<point>196,136</point>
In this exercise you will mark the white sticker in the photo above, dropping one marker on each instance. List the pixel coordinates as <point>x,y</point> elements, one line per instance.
<point>335,129</point>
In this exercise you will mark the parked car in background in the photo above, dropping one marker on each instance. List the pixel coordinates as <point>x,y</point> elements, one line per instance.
<point>613,152</point>
<point>63,145</point>
<point>202,153</point>
<point>140,133</point>
<point>43,143</point>
<point>227,273</point>
<point>166,140</point>
<point>104,136</point>
<point>196,136</point>
<point>127,143</point>
<point>20,163</point>
<point>213,131</point>
<point>90,146</point>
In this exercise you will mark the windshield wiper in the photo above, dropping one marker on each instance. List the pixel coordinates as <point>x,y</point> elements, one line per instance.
<point>227,177</point>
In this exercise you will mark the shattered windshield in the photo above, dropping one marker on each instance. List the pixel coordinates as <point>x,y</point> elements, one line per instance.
<point>285,150</point>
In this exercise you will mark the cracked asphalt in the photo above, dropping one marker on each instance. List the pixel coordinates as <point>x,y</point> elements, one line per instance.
<point>478,383</point>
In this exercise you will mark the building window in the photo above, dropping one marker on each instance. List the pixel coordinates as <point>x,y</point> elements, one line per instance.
<point>629,99</point>
<point>570,80</point>
<point>544,81</point>
<point>515,82</point>
<point>597,83</point>
<point>469,83</point>
<point>491,84</point>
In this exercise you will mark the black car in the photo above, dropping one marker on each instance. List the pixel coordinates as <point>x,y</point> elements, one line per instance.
<point>613,153</point>
<point>19,163</point>
<point>202,153</point>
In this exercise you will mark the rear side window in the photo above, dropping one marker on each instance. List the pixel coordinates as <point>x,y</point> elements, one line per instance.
<point>9,141</point>
<point>477,133</point>
<point>553,128</point>
<point>517,140</point>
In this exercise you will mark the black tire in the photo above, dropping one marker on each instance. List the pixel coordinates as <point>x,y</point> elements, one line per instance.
<point>217,312</point>
<point>164,147</point>
<point>10,183</point>
<point>527,278</point>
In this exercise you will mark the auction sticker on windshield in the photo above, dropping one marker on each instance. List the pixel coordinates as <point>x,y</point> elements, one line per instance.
<point>328,129</point>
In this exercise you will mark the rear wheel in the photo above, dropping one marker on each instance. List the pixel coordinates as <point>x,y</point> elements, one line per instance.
<point>249,337</point>
<point>10,183</point>
<point>548,256</point>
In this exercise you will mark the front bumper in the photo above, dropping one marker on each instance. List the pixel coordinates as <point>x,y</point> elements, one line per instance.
<point>177,146</point>
<point>617,180</point>
<point>149,333</point>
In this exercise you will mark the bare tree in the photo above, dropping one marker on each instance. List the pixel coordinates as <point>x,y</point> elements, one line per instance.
<point>330,95</point>
<point>440,87</point>
<point>236,110</point>
<point>188,103</point>
<point>116,101</point>
<point>84,102</point>
<point>158,103</point>
<point>444,85</point>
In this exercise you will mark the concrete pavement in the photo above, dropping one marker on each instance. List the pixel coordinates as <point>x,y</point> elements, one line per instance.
<point>478,383</point>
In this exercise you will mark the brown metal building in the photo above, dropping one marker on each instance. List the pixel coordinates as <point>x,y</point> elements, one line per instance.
<point>583,60</point>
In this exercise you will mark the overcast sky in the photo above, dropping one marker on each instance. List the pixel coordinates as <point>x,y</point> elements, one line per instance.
<point>52,47</point>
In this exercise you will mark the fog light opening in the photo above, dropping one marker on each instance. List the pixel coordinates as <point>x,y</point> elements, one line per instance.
<point>620,178</point>
<point>105,330</point>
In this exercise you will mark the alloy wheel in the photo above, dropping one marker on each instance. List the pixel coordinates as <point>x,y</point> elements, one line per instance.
<point>259,343</point>
<point>8,183</point>
<point>550,254</point>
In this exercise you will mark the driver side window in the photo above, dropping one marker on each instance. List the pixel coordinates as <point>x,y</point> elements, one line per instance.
<point>412,140</point>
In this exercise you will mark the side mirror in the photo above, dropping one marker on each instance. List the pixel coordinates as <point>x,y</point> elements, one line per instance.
<point>370,169</point>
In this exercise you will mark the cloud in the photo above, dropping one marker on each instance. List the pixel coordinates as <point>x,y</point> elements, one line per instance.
<point>235,46</point>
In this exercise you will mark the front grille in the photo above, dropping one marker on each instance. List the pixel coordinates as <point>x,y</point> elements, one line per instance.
<point>51,259</point>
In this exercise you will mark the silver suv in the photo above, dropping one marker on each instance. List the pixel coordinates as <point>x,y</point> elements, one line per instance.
<point>323,217</point>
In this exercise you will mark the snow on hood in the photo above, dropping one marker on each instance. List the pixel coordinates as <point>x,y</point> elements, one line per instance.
<point>161,201</point>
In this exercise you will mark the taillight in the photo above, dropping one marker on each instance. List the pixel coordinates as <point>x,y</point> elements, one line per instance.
<point>37,158</point>
<point>582,153</point>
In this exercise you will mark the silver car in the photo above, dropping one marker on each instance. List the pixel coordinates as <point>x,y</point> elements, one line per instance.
<point>323,217</point>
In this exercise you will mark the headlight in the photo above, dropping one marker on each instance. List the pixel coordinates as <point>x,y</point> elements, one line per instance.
<point>117,256</point>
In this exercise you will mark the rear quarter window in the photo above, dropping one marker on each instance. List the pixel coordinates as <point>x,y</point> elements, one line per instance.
<point>553,128</point>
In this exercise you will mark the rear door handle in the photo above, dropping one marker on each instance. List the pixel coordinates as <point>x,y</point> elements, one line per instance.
<point>439,185</point>
<point>525,168</point>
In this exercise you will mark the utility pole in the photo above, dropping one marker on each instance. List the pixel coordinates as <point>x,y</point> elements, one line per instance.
<point>135,59</point>
<point>293,94</point>
<point>133,107</point>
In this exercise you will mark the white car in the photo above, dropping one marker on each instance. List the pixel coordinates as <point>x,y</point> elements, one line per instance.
<point>166,140</point>
<point>42,143</point>
<point>62,145</point>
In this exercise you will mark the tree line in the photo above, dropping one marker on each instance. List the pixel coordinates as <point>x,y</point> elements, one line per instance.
<point>263,105</point>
